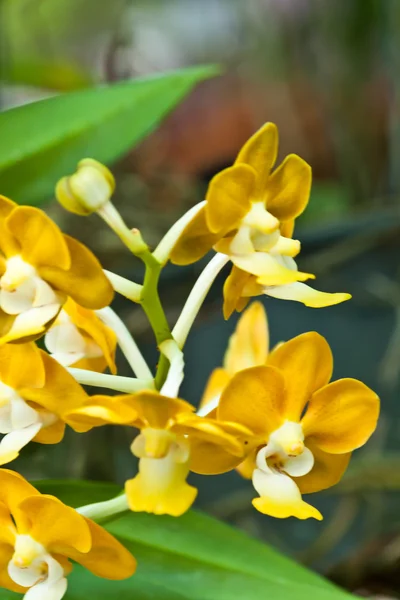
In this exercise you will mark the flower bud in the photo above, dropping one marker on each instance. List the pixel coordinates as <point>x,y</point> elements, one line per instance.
<point>88,189</point>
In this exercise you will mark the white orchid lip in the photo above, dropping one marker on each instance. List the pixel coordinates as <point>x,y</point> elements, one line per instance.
<point>17,272</point>
<point>33,567</point>
<point>19,423</point>
<point>67,344</point>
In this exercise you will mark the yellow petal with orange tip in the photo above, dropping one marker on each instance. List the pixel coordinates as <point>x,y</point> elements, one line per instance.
<point>228,197</point>
<point>155,410</point>
<point>341,416</point>
<point>85,281</point>
<point>42,242</point>
<point>216,383</point>
<point>260,152</point>
<point>280,497</point>
<point>107,557</point>
<point>233,290</point>
<point>53,524</point>
<point>300,292</point>
<point>254,398</point>
<point>269,270</point>
<point>248,345</point>
<point>12,356</point>
<point>194,242</point>
<point>288,189</point>
<point>88,322</point>
<point>327,471</point>
<point>306,362</point>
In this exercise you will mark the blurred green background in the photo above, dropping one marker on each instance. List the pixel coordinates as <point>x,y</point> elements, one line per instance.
<point>328,74</point>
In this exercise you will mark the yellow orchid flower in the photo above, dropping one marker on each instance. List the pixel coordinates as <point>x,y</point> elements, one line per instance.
<point>39,535</point>
<point>35,401</point>
<point>168,428</point>
<point>249,215</point>
<point>40,267</point>
<point>303,427</point>
<point>78,338</point>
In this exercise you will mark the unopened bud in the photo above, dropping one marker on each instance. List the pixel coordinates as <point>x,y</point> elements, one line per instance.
<point>88,189</point>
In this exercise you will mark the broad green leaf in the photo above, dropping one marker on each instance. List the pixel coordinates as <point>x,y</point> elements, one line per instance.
<point>46,139</point>
<point>194,557</point>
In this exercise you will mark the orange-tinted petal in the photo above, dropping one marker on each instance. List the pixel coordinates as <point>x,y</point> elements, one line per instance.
<point>306,362</point>
<point>155,410</point>
<point>51,434</point>
<point>194,242</point>
<point>54,524</point>
<point>12,357</point>
<point>287,228</point>
<point>288,189</point>
<point>260,153</point>
<point>61,391</point>
<point>107,557</point>
<point>209,459</point>
<point>341,416</point>
<point>13,489</point>
<point>254,398</point>
<point>85,281</point>
<point>248,345</point>
<point>246,468</point>
<point>217,381</point>
<point>328,469</point>
<point>41,241</point>
<point>8,244</point>
<point>228,197</point>
<point>101,410</point>
<point>233,290</point>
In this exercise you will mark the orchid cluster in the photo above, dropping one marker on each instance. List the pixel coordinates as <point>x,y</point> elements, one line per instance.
<point>272,414</point>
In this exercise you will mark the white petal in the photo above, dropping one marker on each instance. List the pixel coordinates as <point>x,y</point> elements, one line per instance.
<point>44,294</point>
<point>263,242</point>
<point>259,218</point>
<point>276,486</point>
<point>68,359</point>
<point>47,591</point>
<point>22,415</point>
<point>296,466</point>
<point>27,576</point>
<point>241,243</point>
<point>64,338</point>
<point>19,300</point>
<point>31,322</point>
<point>286,246</point>
<point>12,443</point>
<point>260,263</point>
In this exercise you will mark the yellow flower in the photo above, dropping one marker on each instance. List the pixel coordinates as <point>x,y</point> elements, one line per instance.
<point>35,401</point>
<point>39,534</point>
<point>249,215</point>
<point>303,427</point>
<point>78,338</point>
<point>40,268</point>
<point>168,430</point>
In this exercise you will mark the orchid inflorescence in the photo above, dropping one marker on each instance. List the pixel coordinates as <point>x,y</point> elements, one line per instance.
<point>271,414</point>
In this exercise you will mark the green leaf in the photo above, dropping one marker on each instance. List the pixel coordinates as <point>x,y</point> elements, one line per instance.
<point>194,557</point>
<point>46,139</point>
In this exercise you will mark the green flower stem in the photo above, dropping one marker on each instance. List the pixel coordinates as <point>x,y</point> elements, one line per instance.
<point>104,510</point>
<point>151,303</point>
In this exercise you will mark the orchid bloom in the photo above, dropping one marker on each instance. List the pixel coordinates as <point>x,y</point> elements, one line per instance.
<point>168,428</point>
<point>35,401</point>
<point>78,338</point>
<point>304,428</point>
<point>39,534</point>
<point>249,215</point>
<point>40,268</point>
